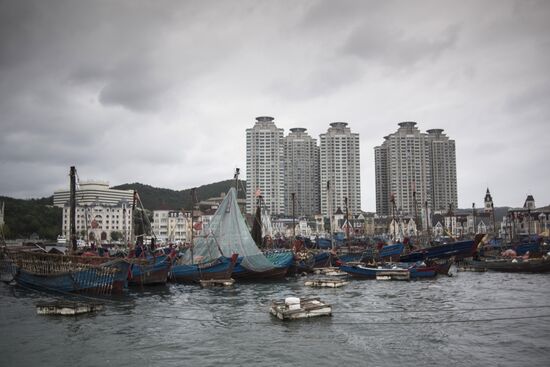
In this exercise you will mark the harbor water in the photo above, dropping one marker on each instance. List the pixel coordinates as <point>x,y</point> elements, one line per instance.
<point>470,319</point>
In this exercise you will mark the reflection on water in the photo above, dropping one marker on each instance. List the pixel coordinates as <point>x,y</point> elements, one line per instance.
<point>470,319</point>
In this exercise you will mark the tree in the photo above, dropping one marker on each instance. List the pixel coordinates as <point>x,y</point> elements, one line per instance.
<point>116,236</point>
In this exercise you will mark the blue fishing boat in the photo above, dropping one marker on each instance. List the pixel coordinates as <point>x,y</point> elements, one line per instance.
<point>228,234</point>
<point>420,270</point>
<point>458,250</point>
<point>150,271</point>
<point>279,260</point>
<point>61,273</point>
<point>531,247</point>
<point>370,272</point>
<point>221,268</point>
<point>390,251</point>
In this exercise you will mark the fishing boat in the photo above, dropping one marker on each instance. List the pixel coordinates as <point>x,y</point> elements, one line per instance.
<point>280,261</point>
<point>229,234</point>
<point>220,268</point>
<point>152,270</point>
<point>306,262</point>
<point>391,252</point>
<point>65,273</point>
<point>68,273</point>
<point>370,272</point>
<point>517,265</point>
<point>458,250</point>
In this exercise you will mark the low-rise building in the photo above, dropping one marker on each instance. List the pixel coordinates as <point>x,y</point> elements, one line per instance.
<point>171,226</point>
<point>102,214</point>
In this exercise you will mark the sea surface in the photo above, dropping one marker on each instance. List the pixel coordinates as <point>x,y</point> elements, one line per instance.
<point>469,319</point>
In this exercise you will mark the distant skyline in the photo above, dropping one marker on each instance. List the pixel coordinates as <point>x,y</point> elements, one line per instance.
<point>162,92</point>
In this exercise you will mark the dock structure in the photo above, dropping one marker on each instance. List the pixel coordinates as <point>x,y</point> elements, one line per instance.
<point>393,275</point>
<point>67,308</point>
<point>326,283</point>
<point>293,308</point>
<point>217,283</point>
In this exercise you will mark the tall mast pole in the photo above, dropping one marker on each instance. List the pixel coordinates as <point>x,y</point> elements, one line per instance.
<point>474,216</point>
<point>193,193</point>
<point>293,215</point>
<point>132,231</point>
<point>329,207</point>
<point>494,222</point>
<point>451,219</point>
<point>415,208</point>
<point>427,220</point>
<point>393,217</point>
<point>347,223</point>
<point>236,177</point>
<point>72,212</point>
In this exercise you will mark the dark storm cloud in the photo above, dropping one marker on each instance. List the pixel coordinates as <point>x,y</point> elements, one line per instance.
<point>397,49</point>
<point>161,91</point>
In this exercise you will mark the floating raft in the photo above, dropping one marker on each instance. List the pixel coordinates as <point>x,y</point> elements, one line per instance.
<point>334,272</point>
<point>293,308</point>
<point>327,282</point>
<point>393,275</point>
<point>67,308</point>
<point>217,283</point>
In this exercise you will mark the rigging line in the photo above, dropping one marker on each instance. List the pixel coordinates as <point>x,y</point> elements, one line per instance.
<point>444,310</point>
<point>184,308</point>
<point>346,323</point>
<point>48,291</point>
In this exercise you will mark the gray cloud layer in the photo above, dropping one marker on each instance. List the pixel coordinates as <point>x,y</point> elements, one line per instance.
<point>162,91</point>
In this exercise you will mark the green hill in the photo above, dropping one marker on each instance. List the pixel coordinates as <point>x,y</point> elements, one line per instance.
<point>33,217</point>
<point>154,198</point>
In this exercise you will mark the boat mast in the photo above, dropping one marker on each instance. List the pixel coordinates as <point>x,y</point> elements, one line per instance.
<point>293,215</point>
<point>428,221</point>
<point>236,177</point>
<point>347,223</point>
<point>393,217</point>
<point>474,216</point>
<point>193,196</point>
<point>494,223</point>
<point>415,210</point>
<point>132,232</point>
<point>451,219</point>
<point>329,207</point>
<point>72,212</point>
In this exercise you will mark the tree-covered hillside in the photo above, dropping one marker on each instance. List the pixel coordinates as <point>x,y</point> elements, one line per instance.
<point>155,198</point>
<point>26,218</point>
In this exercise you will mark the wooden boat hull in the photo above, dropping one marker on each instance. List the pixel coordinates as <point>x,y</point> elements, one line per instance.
<point>423,272</point>
<point>315,260</point>
<point>458,250</point>
<point>365,272</point>
<point>220,269</point>
<point>509,266</point>
<point>150,274</point>
<point>61,273</point>
<point>241,273</point>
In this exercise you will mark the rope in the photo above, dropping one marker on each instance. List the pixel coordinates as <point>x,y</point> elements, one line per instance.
<point>362,323</point>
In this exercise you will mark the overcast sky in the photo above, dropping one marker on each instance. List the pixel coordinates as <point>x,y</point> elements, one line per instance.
<point>161,92</point>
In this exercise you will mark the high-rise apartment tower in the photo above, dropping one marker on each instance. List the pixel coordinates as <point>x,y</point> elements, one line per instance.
<point>415,169</point>
<point>340,165</point>
<point>264,166</point>
<point>301,157</point>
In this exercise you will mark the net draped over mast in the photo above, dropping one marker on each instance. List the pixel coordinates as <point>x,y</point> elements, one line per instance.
<point>228,234</point>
